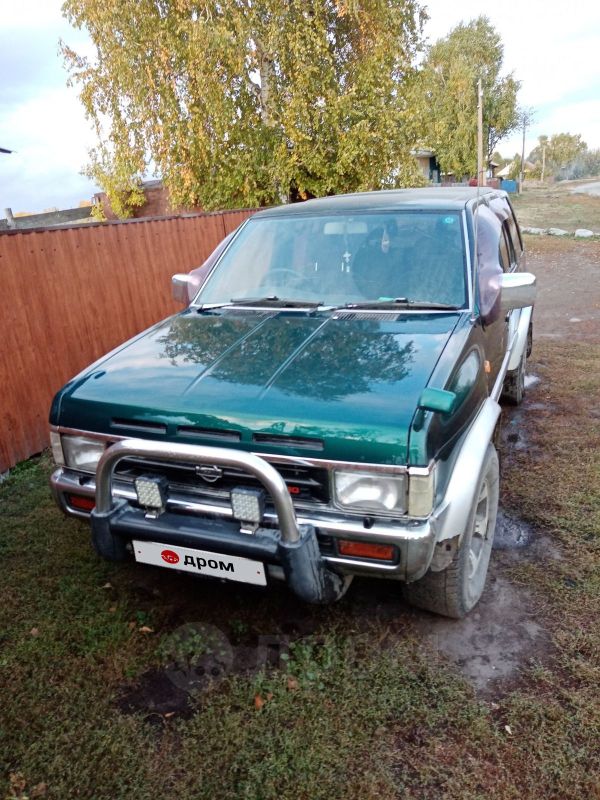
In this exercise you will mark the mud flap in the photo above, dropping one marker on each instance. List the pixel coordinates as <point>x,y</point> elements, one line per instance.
<point>305,571</point>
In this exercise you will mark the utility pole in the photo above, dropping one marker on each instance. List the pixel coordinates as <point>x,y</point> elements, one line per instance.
<point>480,167</point>
<point>543,161</point>
<point>10,220</point>
<point>523,155</point>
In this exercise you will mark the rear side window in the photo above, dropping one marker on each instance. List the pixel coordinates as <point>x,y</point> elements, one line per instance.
<point>504,251</point>
<point>503,210</point>
<point>515,233</point>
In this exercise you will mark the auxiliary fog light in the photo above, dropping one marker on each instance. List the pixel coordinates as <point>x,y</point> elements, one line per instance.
<point>248,504</point>
<point>151,494</point>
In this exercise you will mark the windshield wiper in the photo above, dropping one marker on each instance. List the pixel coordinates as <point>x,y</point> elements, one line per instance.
<point>400,302</point>
<point>272,301</point>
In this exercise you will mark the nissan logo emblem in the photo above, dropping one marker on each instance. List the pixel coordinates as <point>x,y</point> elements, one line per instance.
<point>209,472</point>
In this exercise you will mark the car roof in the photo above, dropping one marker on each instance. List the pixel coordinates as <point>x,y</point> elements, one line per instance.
<point>430,198</point>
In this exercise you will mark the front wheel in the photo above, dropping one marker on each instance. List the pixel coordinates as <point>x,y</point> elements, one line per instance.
<point>455,590</point>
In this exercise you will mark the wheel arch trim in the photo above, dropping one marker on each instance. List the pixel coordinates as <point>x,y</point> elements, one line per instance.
<point>452,514</point>
<point>520,340</point>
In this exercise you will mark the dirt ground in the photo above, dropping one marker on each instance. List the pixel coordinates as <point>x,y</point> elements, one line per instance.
<point>558,205</point>
<point>568,272</point>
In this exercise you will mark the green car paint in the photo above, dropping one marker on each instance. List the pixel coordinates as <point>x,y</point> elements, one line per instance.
<point>349,383</point>
<point>437,400</point>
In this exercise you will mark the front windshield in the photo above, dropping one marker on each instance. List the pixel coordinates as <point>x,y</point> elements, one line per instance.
<point>338,259</point>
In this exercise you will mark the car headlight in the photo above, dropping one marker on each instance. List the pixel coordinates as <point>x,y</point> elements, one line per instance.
<point>82,453</point>
<point>366,491</point>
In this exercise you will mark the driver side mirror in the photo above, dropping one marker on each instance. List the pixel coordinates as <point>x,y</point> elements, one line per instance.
<point>517,290</point>
<point>184,288</point>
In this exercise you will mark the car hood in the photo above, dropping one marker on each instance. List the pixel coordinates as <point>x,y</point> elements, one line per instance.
<point>334,385</point>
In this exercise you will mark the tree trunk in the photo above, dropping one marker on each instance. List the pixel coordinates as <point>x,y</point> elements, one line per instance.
<point>265,70</point>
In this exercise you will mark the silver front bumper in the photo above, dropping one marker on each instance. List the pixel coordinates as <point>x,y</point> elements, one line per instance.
<point>414,539</point>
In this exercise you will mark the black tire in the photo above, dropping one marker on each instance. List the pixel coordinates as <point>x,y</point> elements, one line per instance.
<point>455,590</point>
<point>529,340</point>
<point>513,389</point>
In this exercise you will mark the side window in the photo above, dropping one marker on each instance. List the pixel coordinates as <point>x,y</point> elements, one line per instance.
<point>503,210</point>
<point>512,246</point>
<point>504,252</point>
<point>515,233</point>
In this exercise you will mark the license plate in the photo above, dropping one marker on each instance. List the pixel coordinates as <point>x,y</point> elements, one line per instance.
<point>201,562</point>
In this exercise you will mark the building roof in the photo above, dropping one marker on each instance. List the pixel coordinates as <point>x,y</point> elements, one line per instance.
<point>422,152</point>
<point>445,198</point>
<point>48,219</point>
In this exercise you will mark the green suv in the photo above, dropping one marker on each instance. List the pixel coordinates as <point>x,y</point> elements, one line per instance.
<point>325,406</point>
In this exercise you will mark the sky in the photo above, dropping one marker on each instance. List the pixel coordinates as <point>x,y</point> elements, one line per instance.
<point>552,49</point>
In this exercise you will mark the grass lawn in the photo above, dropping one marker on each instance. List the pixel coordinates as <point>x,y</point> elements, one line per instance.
<point>356,708</point>
<point>555,206</point>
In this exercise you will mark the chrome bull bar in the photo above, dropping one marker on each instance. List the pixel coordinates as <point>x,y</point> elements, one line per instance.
<point>295,546</point>
<point>198,454</point>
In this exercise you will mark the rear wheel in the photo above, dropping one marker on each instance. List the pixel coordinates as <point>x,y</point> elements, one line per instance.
<point>455,590</point>
<point>513,390</point>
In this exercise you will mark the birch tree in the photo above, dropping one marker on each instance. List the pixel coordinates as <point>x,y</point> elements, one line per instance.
<point>247,102</point>
<point>451,69</point>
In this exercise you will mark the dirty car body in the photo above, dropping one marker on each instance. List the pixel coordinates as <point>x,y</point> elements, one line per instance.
<point>324,408</point>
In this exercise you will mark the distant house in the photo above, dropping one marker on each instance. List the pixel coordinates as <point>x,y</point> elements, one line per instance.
<point>505,171</point>
<point>428,164</point>
<point>492,171</point>
<point>157,203</point>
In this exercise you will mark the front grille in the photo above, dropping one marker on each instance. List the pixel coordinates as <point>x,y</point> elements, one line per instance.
<point>306,484</point>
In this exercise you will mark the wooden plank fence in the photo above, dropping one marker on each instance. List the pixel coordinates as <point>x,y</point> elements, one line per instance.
<point>69,295</point>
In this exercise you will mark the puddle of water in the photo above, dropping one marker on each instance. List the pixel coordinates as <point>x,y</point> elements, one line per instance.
<point>511,532</point>
<point>531,380</point>
<point>515,440</point>
<point>539,407</point>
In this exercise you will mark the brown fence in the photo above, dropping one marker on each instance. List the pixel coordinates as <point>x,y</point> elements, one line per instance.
<point>69,295</point>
